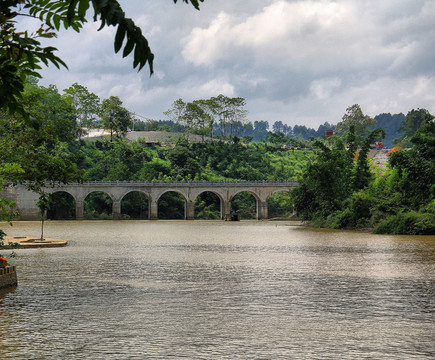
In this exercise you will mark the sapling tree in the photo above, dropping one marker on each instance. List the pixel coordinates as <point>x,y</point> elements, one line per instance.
<point>43,204</point>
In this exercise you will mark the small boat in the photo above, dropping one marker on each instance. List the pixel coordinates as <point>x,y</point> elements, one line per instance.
<point>8,277</point>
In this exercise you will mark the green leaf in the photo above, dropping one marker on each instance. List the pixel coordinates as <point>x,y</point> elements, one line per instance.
<point>119,37</point>
<point>128,47</point>
<point>56,21</point>
<point>71,13</point>
<point>83,8</point>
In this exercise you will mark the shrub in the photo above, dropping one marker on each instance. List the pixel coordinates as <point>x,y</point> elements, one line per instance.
<point>410,223</point>
<point>394,149</point>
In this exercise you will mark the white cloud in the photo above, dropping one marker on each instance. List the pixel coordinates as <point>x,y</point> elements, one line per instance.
<point>298,61</point>
<point>322,88</point>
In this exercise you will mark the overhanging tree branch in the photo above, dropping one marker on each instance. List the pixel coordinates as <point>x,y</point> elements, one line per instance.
<point>21,52</point>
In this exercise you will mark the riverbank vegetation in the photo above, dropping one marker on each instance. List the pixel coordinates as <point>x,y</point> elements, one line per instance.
<point>340,187</point>
<point>339,192</point>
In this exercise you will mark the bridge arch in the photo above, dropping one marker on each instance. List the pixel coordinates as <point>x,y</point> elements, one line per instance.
<point>274,191</point>
<point>172,204</point>
<point>200,205</point>
<point>98,204</point>
<point>116,190</point>
<point>246,203</point>
<point>62,206</point>
<point>280,204</point>
<point>134,204</point>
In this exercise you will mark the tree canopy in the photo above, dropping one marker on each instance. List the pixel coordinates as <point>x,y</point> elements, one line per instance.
<point>42,153</point>
<point>199,116</point>
<point>115,117</point>
<point>86,104</point>
<point>415,120</point>
<point>356,118</point>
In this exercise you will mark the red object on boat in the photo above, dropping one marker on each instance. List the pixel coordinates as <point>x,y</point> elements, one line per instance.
<point>3,262</point>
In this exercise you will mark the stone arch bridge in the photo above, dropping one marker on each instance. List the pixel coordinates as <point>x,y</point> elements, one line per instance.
<point>190,190</point>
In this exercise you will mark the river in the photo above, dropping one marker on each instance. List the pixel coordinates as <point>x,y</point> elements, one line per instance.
<point>218,290</point>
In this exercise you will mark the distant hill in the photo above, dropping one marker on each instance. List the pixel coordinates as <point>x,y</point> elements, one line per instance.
<point>391,124</point>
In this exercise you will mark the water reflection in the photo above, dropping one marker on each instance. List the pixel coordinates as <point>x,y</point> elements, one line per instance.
<point>248,290</point>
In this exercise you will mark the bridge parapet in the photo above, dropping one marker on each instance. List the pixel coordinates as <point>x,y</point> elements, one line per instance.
<point>184,183</point>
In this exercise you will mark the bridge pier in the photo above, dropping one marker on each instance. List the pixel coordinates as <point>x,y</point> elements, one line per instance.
<point>80,210</point>
<point>225,209</point>
<point>262,210</point>
<point>189,210</point>
<point>153,213</point>
<point>116,209</point>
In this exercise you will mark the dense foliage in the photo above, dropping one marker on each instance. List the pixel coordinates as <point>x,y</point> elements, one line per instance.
<point>336,191</point>
<point>124,160</point>
<point>339,186</point>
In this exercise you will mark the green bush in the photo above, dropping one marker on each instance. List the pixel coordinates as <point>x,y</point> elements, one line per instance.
<point>430,208</point>
<point>410,223</point>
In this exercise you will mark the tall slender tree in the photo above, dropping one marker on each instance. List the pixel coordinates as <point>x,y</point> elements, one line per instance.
<point>115,117</point>
<point>86,105</point>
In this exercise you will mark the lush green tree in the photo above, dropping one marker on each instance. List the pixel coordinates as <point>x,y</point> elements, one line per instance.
<point>134,206</point>
<point>278,126</point>
<point>115,117</point>
<point>7,207</point>
<point>325,184</point>
<point>119,160</point>
<point>207,206</point>
<point>183,162</point>
<point>355,117</point>
<point>98,206</point>
<point>171,205</point>
<point>177,113</point>
<point>415,119</point>
<point>304,133</point>
<point>363,174</point>
<point>277,138</point>
<point>399,200</point>
<point>50,112</point>
<point>156,169</point>
<point>41,151</point>
<point>62,206</point>
<point>86,105</point>
<point>197,118</point>
<point>245,205</point>
<point>416,167</point>
<point>321,130</point>
<point>280,205</point>
<point>228,111</point>
<point>207,116</point>
<point>261,129</point>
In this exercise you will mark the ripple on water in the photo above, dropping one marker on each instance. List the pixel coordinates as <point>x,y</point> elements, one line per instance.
<point>203,290</point>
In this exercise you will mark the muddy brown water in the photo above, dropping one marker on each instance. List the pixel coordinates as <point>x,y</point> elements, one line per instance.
<point>218,290</point>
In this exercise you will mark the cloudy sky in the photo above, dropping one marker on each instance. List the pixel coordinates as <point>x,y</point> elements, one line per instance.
<point>302,62</point>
